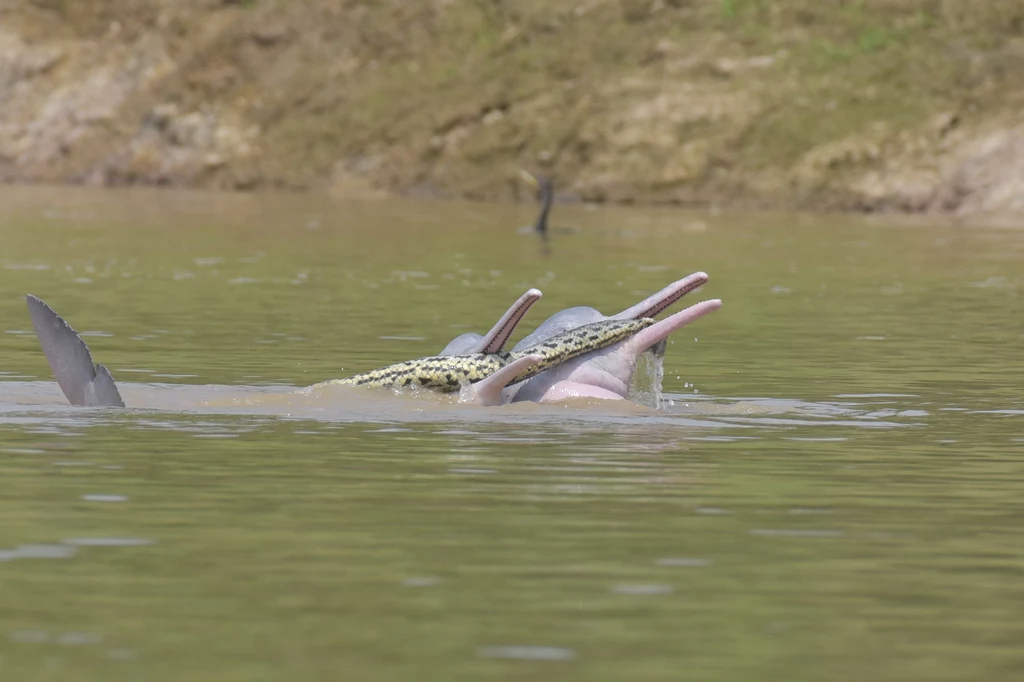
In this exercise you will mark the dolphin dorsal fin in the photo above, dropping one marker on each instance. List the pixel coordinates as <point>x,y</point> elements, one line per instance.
<point>83,383</point>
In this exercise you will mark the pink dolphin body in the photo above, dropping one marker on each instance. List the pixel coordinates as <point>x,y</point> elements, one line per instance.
<point>607,373</point>
<point>601,374</point>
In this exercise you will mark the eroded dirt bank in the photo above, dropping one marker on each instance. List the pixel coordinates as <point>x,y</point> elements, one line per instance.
<point>913,105</point>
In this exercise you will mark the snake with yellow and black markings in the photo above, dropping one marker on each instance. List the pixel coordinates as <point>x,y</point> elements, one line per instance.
<point>449,373</point>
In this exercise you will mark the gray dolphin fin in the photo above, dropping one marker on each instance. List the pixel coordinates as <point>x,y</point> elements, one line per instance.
<point>82,382</point>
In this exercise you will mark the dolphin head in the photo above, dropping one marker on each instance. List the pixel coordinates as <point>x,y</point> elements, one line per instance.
<point>570,318</point>
<point>606,373</point>
<point>562,321</point>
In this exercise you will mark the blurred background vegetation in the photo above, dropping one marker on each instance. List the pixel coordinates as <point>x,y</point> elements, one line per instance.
<point>913,105</point>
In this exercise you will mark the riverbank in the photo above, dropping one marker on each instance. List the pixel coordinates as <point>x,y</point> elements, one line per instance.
<point>902,105</point>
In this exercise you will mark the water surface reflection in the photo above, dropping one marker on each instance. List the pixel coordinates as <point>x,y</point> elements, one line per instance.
<point>830,486</point>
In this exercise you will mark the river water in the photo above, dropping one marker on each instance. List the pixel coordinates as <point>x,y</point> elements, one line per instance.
<point>831,488</point>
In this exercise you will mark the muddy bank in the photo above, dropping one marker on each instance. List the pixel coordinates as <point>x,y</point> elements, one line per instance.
<point>908,105</point>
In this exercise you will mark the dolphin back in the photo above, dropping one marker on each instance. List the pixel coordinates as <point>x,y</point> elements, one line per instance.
<point>560,322</point>
<point>84,384</point>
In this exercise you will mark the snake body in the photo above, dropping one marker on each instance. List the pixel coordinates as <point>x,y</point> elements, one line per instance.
<point>448,373</point>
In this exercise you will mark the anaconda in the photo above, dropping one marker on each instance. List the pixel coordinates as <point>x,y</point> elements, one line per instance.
<point>448,373</point>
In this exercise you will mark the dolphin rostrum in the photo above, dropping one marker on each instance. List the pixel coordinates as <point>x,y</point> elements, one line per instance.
<point>494,341</point>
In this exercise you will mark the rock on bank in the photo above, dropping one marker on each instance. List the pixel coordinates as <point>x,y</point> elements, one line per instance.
<point>909,105</point>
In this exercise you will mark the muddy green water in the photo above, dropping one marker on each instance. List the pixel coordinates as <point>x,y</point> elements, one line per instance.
<point>832,489</point>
